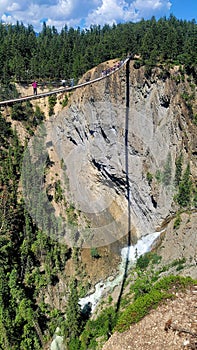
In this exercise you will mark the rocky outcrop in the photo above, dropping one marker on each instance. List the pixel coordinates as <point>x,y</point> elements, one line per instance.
<point>119,139</point>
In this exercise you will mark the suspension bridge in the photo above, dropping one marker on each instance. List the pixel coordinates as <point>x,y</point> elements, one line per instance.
<point>64,89</point>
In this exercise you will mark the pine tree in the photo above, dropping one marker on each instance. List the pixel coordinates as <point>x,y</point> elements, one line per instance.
<point>73,312</point>
<point>178,172</point>
<point>185,189</point>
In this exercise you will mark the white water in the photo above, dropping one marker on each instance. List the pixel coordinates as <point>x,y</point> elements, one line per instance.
<point>143,245</point>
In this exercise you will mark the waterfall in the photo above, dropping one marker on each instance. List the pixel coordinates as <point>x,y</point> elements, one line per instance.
<point>143,245</point>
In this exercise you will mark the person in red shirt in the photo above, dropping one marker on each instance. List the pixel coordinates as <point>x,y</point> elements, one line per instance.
<point>35,85</point>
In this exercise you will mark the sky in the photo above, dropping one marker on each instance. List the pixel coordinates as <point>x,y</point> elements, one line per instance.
<point>83,13</point>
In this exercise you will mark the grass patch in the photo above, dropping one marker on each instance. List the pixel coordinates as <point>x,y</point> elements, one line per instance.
<point>162,290</point>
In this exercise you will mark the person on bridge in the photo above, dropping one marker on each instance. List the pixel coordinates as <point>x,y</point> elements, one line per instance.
<point>63,82</point>
<point>35,85</point>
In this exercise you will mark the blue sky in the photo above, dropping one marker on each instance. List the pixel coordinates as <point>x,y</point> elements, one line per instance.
<point>83,13</point>
<point>185,9</point>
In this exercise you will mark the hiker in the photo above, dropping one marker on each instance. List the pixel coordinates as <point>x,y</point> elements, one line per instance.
<point>34,84</point>
<point>63,82</point>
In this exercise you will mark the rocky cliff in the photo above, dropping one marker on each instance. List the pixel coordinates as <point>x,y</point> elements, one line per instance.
<point>119,140</point>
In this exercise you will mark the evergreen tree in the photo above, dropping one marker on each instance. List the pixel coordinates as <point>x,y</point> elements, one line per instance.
<point>73,312</point>
<point>178,172</point>
<point>185,188</point>
<point>51,55</point>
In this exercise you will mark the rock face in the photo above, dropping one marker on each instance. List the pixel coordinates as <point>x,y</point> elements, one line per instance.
<point>119,139</point>
<point>180,244</point>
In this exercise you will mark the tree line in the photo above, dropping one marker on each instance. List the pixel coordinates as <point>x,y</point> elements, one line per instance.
<point>53,55</point>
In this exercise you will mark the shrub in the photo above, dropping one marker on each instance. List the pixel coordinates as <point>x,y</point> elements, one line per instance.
<point>58,192</point>
<point>149,177</point>
<point>179,263</point>
<point>52,103</point>
<point>161,290</point>
<point>65,101</point>
<point>94,253</point>
<point>144,260</point>
<point>158,176</point>
<point>139,308</point>
<point>141,286</point>
<point>177,222</point>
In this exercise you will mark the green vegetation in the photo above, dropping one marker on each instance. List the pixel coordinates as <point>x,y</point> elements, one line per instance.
<point>52,103</point>
<point>186,191</point>
<point>149,177</point>
<point>158,176</point>
<point>98,330</point>
<point>51,56</point>
<point>164,175</point>
<point>31,260</point>
<point>144,260</point>
<point>58,196</point>
<point>25,113</point>
<point>72,215</point>
<point>179,263</point>
<point>195,197</point>
<point>178,173</point>
<point>94,253</point>
<point>177,221</point>
<point>73,315</point>
<point>161,290</point>
<point>184,194</point>
<point>140,307</point>
<point>65,101</point>
<point>38,115</point>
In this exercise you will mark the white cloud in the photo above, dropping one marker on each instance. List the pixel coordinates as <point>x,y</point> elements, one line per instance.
<point>146,7</point>
<point>74,12</point>
<point>116,10</point>
<point>109,12</point>
<point>7,19</point>
<point>14,7</point>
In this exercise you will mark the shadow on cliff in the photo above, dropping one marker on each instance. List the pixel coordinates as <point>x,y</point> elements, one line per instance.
<point>127,186</point>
